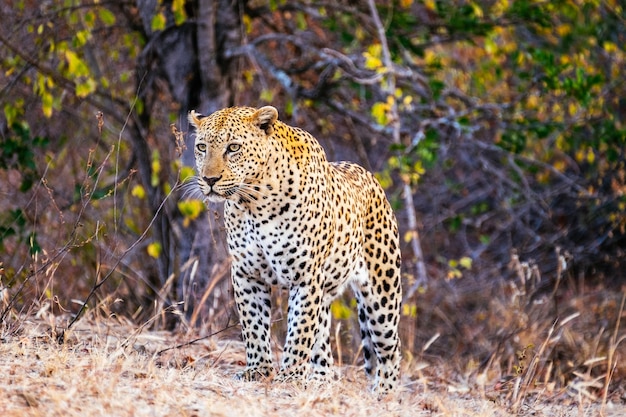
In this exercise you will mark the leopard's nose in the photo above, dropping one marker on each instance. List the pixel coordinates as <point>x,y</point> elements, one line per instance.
<point>211,180</point>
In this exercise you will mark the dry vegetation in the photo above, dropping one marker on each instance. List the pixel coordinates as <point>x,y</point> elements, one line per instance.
<point>106,365</point>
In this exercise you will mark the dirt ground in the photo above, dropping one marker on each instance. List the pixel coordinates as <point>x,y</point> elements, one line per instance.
<point>114,369</point>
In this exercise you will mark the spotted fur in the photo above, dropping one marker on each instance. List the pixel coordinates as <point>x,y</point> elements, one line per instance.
<point>297,221</point>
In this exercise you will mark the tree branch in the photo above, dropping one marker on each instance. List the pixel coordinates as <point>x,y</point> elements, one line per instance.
<point>389,87</point>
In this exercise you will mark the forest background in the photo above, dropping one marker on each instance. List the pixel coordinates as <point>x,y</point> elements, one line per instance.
<point>496,127</point>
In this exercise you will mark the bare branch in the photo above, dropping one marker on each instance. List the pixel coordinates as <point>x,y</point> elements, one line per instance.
<point>389,87</point>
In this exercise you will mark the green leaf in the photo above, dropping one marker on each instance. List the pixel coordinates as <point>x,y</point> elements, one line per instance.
<point>75,66</point>
<point>186,173</point>
<point>158,22</point>
<point>301,21</point>
<point>33,244</point>
<point>46,103</point>
<point>267,96</point>
<point>106,16</point>
<point>81,37</point>
<point>178,9</point>
<point>89,19</point>
<point>10,113</point>
<point>83,89</point>
<point>436,87</point>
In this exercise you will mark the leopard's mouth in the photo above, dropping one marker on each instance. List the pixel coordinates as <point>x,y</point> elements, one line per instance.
<point>210,193</point>
<point>214,196</point>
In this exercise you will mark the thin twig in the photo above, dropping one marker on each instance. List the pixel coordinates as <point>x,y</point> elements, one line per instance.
<point>191,342</point>
<point>119,260</point>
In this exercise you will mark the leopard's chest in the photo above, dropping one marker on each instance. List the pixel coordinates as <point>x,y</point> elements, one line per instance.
<point>280,244</point>
<point>302,244</point>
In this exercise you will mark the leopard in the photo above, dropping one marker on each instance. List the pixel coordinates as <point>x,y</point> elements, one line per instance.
<point>296,221</point>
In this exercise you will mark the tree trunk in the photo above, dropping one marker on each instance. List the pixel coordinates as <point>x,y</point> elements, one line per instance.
<point>190,58</point>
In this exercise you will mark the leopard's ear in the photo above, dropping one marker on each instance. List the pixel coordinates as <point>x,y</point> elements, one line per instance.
<point>264,118</point>
<point>195,118</point>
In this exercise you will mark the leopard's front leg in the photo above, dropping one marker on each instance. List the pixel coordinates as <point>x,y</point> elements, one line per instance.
<point>253,301</point>
<point>303,327</point>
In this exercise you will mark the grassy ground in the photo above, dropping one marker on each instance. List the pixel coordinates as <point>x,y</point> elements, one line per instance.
<point>111,368</point>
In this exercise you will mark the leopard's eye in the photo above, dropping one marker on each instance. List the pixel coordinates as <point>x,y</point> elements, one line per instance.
<point>201,147</point>
<point>233,147</point>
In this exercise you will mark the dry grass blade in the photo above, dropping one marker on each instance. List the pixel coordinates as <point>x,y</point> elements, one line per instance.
<point>525,383</point>
<point>612,354</point>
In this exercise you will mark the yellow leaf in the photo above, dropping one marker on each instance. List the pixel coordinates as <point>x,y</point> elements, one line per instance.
<point>247,23</point>
<point>178,9</point>
<point>379,112</point>
<point>339,310</point>
<point>106,16</point>
<point>532,101</point>
<point>431,57</point>
<point>500,7</point>
<point>466,262</point>
<point>81,37</point>
<point>559,165</point>
<point>359,33</point>
<point>267,96</point>
<point>609,47</point>
<point>384,178</point>
<point>75,66</point>
<point>158,22</point>
<point>478,11</point>
<point>543,177</point>
<point>190,209</point>
<point>372,62</point>
<point>154,249</point>
<point>454,274</point>
<point>373,57</point>
<point>419,168</point>
<point>130,223</point>
<point>46,103</point>
<point>156,168</point>
<point>186,172</point>
<point>409,310</point>
<point>564,29</point>
<point>138,191</point>
<point>85,88</point>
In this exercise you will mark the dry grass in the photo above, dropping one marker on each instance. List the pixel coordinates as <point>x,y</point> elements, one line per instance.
<point>110,367</point>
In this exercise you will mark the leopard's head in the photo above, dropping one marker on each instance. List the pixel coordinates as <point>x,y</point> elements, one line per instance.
<point>232,150</point>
